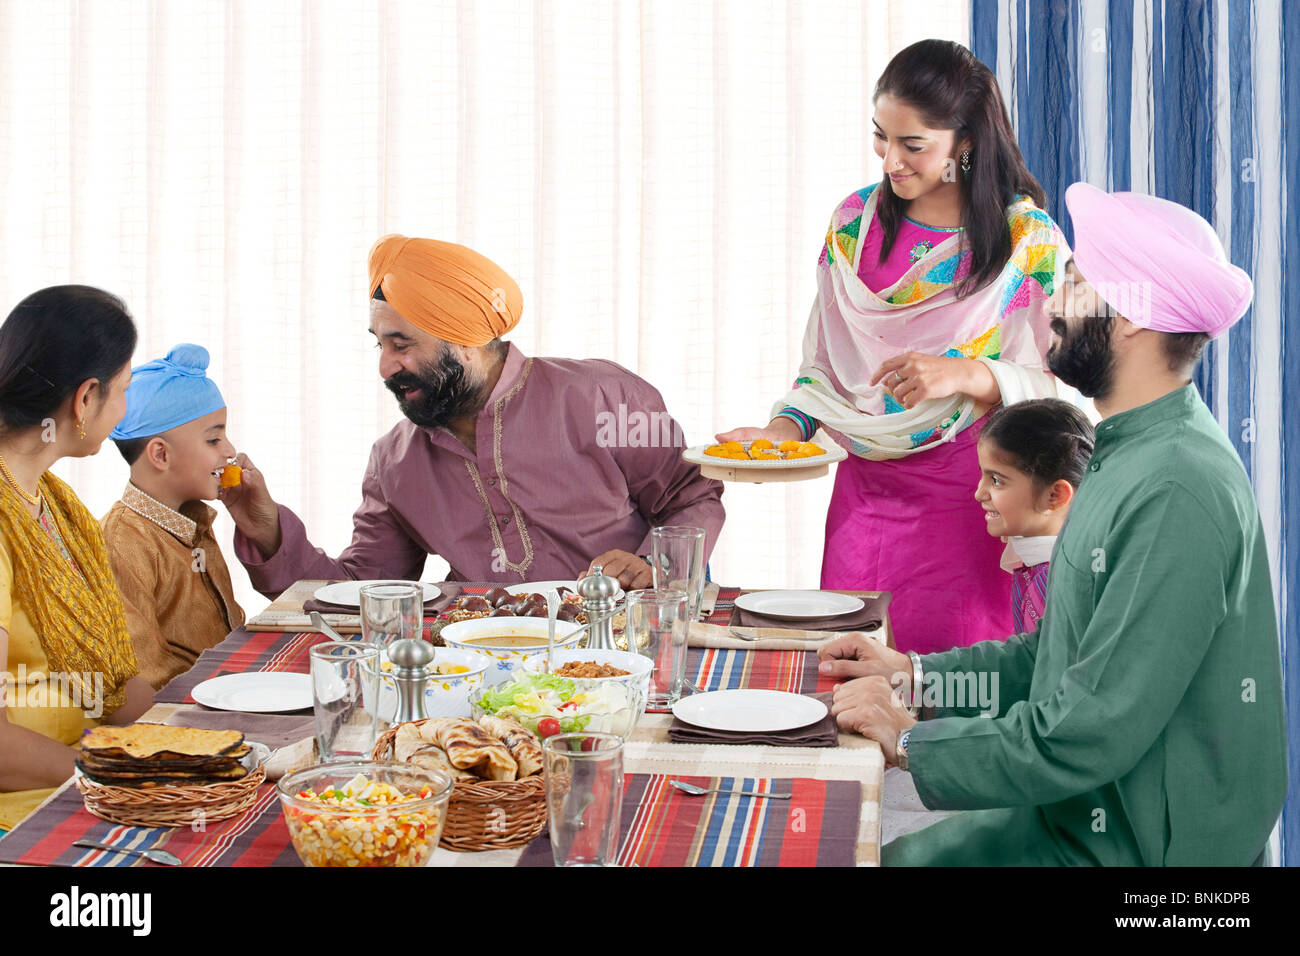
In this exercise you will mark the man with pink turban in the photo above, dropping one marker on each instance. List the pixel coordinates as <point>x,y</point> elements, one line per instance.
<point>1142,722</point>
<point>505,467</point>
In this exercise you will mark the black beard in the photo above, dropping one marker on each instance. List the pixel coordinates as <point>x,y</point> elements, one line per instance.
<point>1083,358</point>
<point>446,392</point>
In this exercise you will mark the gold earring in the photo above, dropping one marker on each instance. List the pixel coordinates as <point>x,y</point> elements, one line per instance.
<point>81,429</point>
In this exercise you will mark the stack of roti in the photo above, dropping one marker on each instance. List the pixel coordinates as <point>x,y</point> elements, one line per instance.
<point>494,748</point>
<point>157,755</point>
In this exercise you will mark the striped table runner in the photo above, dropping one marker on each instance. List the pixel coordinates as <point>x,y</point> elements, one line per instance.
<point>661,826</point>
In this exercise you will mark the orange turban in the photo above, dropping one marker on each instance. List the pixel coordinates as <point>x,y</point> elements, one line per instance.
<point>447,290</point>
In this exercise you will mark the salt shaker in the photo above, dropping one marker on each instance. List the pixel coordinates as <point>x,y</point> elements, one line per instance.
<point>411,658</point>
<point>598,592</point>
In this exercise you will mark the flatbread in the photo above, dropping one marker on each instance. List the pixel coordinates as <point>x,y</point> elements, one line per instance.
<point>160,741</point>
<point>407,742</point>
<point>156,779</point>
<point>432,757</point>
<point>470,747</point>
<point>519,740</point>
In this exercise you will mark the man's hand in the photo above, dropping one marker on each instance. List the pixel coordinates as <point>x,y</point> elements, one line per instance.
<point>254,511</point>
<point>632,573</point>
<point>872,707</point>
<point>856,655</point>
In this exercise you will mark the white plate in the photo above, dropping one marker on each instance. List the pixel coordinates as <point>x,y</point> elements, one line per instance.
<point>754,711</point>
<point>798,605</point>
<point>268,692</point>
<point>348,593</point>
<point>696,456</point>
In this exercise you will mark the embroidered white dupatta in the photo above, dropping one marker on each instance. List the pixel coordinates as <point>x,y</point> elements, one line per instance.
<point>852,330</point>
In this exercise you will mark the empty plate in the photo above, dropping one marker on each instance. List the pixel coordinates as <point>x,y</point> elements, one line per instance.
<point>799,605</point>
<point>265,692</point>
<point>348,593</point>
<point>753,711</point>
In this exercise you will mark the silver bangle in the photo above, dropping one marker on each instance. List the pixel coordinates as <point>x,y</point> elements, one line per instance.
<point>917,679</point>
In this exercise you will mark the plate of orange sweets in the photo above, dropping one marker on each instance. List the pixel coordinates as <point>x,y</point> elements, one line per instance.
<point>762,460</point>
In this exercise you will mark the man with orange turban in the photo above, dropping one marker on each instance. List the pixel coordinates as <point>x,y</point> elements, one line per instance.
<point>503,468</point>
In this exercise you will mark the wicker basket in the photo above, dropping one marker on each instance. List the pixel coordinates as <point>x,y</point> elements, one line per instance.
<point>171,806</point>
<point>487,814</point>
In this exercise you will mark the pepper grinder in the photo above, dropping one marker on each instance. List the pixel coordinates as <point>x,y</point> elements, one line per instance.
<point>598,591</point>
<point>411,658</point>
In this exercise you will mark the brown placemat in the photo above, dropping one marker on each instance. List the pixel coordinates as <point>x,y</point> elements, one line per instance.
<point>823,733</point>
<point>868,619</point>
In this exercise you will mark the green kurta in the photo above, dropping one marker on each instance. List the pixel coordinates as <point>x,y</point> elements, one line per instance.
<point>1143,722</point>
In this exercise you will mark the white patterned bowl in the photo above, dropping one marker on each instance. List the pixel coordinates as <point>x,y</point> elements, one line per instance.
<point>507,660</point>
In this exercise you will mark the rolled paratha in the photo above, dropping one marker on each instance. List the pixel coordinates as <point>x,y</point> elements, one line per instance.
<point>408,741</point>
<point>519,740</point>
<point>432,757</point>
<point>470,747</point>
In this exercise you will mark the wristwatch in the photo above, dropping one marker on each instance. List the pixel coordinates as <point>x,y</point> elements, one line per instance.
<point>900,752</point>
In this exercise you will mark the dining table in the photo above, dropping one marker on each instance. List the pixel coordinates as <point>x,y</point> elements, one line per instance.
<point>832,818</point>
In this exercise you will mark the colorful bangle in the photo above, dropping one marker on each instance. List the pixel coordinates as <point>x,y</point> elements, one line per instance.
<point>807,427</point>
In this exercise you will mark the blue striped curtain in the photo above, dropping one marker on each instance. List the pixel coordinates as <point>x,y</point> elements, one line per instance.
<point>1197,101</point>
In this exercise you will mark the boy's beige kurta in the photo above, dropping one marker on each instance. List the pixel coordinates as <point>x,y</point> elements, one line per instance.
<point>174,582</point>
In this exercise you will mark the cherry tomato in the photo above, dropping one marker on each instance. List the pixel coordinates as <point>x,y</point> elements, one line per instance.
<point>548,727</point>
<point>588,743</point>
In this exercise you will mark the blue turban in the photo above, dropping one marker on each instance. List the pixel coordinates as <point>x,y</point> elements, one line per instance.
<point>168,392</point>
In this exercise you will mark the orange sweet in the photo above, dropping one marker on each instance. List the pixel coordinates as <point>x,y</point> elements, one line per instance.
<point>231,476</point>
<point>790,445</point>
<point>760,444</point>
<point>718,451</point>
<point>762,454</point>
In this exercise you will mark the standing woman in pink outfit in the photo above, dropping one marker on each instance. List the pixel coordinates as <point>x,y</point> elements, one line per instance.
<point>929,313</point>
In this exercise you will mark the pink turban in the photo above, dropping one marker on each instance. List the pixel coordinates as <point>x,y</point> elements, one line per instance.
<point>1156,263</point>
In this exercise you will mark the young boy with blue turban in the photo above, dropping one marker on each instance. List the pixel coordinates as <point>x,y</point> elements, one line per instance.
<point>174,581</point>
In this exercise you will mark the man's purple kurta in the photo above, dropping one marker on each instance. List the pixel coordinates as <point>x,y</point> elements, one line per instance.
<point>574,458</point>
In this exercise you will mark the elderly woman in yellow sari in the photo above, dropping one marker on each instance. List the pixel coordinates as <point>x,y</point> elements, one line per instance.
<point>66,658</point>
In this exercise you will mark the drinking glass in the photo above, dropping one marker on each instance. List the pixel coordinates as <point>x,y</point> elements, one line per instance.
<point>657,628</point>
<point>584,797</point>
<point>391,612</point>
<point>345,696</point>
<point>677,560</point>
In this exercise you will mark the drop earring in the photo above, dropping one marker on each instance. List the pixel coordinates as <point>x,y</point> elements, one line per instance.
<point>965,162</point>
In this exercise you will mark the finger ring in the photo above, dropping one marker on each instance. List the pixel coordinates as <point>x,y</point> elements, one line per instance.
<point>898,379</point>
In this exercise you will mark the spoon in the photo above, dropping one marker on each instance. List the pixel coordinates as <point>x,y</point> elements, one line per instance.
<point>695,791</point>
<point>324,628</point>
<point>552,609</point>
<point>154,856</point>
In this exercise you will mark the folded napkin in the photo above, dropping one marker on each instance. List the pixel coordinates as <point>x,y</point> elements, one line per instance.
<point>290,737</point>
<point>823,733</point>
<point>867,619</point>
<point>768,638</point>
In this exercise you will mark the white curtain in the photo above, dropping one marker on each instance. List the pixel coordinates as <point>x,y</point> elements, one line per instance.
<point>658,176</point>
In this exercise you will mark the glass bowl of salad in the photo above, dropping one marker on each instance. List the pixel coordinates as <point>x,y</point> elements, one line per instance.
<point>548,704</point>
<point>365,813</point>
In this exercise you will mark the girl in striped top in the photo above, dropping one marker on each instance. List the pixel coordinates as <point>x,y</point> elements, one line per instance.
<point>1032,457</point>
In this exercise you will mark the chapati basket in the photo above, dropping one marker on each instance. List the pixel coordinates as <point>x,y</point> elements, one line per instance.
<point>171,806</point>
<point>485,814</point>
